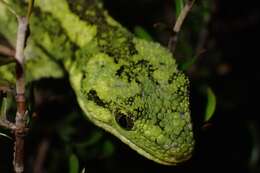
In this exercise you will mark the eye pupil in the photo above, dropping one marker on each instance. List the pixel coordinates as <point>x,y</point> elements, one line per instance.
<point>124,121</point>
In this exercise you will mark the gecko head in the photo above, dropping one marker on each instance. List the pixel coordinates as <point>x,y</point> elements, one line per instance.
<point>162,135</point>
<point>143,101</point>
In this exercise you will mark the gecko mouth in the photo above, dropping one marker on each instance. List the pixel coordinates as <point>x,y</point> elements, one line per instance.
<point>173,159</point>
<point>170,159</point>
<point>155,158</point>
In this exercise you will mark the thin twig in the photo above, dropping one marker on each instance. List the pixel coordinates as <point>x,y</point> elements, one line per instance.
<point>7,51</point>
<point>177,27</point>
<point>21,114</point>
<point>3,111</point>
<point>9,8</point>
<point>20,128</point>
<point>7,124</point>
<point>184,12</point>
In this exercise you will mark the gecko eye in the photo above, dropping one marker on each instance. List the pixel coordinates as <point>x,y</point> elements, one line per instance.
<point>124,121</point>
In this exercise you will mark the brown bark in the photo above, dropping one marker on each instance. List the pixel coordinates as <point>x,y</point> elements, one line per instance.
<point>20,120</point>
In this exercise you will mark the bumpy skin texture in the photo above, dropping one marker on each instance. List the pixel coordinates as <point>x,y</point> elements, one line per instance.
<point>127,86</point>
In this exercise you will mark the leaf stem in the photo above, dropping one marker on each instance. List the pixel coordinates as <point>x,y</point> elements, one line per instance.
<point>177,27</point>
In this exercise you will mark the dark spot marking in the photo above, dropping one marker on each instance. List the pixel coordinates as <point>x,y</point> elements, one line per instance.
<point>142,62</point>
<point>92,95</point>
<point>90,11</point>
<point>139,112</point>
<point>161,63</point>
<point>172,78</point>
<point>130,100</point>
<point>150,69</point>
<point>120,70</point>
<point>137,81</point>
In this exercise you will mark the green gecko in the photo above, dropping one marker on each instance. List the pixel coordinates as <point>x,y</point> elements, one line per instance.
<point>126,85</point>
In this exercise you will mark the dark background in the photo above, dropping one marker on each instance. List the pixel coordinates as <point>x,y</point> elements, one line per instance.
<point>229,65</point>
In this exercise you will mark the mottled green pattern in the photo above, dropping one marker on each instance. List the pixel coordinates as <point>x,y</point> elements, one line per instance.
<point>127,86</point>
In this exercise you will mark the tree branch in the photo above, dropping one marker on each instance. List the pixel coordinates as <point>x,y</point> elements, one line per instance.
<point>19,126</point>
<point>184,12</point>
<point>20,120</point>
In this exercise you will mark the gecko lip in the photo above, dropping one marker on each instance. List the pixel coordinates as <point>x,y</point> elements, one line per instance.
<point>172,159</point>
<point>169,160</point>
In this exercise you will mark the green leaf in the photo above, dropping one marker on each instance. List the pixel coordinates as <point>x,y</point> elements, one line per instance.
<point>74,164</point>
<point>179,4</point>
<point>211,104</point>
<point>142,33</point>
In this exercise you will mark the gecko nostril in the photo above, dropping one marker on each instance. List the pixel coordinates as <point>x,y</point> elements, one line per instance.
<point>124,121</point>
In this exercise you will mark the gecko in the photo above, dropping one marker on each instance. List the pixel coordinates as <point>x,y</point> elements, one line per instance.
<point>128,86</point>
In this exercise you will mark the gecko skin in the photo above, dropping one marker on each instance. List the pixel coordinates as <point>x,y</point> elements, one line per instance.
<point>128,86</point>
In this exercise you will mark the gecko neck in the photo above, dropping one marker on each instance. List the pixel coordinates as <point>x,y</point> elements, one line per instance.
<point>79,29</point>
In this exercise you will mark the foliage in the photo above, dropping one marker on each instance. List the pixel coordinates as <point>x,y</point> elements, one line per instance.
<point>211,104</point>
